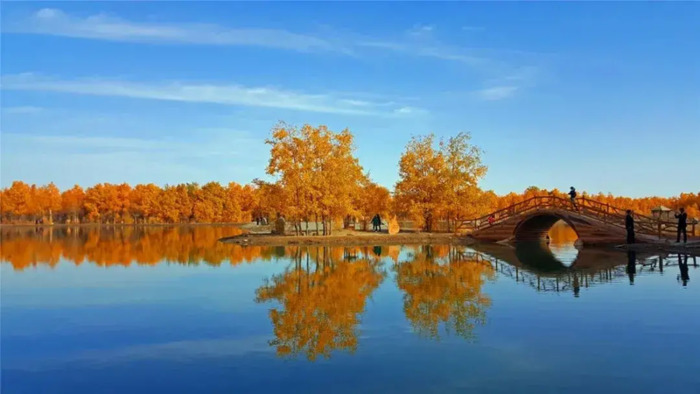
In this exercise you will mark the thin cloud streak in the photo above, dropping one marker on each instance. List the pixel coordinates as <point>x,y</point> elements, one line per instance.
<point>207,144</point>
<point>423,50</point>
<point>201,93</point>
<point>50,21</point>
<point>417,40</point>
<point>497,93</point>
<point>21,110</point>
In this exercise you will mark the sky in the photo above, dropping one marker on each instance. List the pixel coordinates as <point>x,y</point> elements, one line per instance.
<point>601,96</point>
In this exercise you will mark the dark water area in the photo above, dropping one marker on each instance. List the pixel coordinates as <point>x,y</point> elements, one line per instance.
<point>170,309</point>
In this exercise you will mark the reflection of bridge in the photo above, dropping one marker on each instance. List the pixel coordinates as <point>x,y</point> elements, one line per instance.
<point>593,221</point>
<point>591,267</point>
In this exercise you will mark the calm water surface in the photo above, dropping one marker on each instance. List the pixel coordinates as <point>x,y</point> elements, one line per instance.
<point>173,310</point>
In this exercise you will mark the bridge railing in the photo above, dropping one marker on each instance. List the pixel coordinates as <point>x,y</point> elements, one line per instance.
<point>604,212</point>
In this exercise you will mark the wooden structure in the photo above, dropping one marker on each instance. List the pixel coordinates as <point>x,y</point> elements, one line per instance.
<point>661,213</point>
<point>594,222</point>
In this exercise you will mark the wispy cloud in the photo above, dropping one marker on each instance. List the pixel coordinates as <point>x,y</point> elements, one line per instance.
<point>27,109</point>
<point>225,94</point>
<point>409,111</point>
<point>201,155</point>
<point>473,28</point>
<point>52,21</point>
<point>497,93</point>
<point>207,144</point>
<point>433,50</point>
<point>419,40</point>
<point>421,30</point>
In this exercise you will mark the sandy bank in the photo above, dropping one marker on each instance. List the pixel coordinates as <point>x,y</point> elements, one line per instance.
<point>345,239</point>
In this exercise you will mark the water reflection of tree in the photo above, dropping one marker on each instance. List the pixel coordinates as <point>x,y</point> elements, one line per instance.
<point>441,287</point>
<point>321,297</point>
<point>125,245</point>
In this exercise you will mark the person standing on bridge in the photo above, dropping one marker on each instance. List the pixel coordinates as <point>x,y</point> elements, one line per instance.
<point>572,195</point>
<point>682,225</point>
<point>629,226</point>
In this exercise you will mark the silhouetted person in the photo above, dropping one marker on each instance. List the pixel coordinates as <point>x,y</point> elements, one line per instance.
<point>572,197</point>
<point>629,226</point>
<point>683,265</point>
<point>376,223</point>
<point>682,224</point>
<point>631,265</point>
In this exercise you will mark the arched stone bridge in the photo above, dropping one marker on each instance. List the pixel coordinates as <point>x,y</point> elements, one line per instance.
<point>594,222</point>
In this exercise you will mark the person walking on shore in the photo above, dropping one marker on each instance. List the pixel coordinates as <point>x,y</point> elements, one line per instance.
<point>682,225</point>
<point>629,226</point>
<point>376,223</point>
<point>572,196</point>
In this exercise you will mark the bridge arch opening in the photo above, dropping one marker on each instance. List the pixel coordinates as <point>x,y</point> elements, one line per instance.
<point>545,226</point>
<point>552,233</point>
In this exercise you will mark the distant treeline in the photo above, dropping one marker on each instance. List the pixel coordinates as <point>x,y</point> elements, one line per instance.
<point>318,179</point>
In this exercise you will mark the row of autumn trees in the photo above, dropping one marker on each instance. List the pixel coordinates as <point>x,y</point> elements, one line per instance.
<point>317,179</point>
<point>111,203</point>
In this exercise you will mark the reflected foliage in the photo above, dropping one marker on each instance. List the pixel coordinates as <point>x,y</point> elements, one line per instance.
<point>441,287</point>
<point>562,234</point>
<point>123,246</point>
<point>321,297</point>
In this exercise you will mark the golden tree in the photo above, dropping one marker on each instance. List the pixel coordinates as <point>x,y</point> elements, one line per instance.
<point>72,202</point>
<point>168,209</point>
<point>438,183</point>
<point>318,174</point>
<point>102,203</point>
<point>463,169</point>
<point>420,190</point>
<point>16,200</point>
<point>372,199</point>
<point>145,202</point>
<point>48,200</point>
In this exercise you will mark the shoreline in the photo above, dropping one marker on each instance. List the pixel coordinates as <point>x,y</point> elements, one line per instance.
<point>367,239</point>
<point>345,239</point>
<point>61,225</point>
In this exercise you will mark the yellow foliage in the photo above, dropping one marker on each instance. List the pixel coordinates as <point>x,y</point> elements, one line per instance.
<point>393,225</point>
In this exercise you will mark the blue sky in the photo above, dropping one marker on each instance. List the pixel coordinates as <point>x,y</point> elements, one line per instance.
<point>601,96</point>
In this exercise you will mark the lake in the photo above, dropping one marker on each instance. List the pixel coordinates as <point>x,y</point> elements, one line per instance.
<point>170,309</point>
